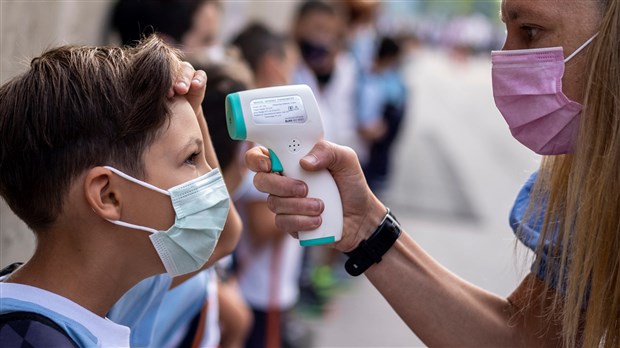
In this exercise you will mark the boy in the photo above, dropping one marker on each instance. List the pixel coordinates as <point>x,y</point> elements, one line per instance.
<point>111,166</point>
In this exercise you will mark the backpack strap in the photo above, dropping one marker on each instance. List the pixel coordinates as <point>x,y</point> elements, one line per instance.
<point>29,329</point>
<point>10,268</point>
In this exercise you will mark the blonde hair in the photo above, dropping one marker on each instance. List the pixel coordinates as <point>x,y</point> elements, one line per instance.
<point>581,194</point>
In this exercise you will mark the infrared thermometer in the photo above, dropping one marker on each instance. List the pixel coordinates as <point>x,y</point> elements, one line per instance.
<point>287,121</point>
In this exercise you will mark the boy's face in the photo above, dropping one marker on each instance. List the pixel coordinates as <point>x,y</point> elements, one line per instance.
<point>176,156</point>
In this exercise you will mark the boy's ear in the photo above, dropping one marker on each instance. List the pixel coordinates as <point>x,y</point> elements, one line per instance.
<point>102,194</point>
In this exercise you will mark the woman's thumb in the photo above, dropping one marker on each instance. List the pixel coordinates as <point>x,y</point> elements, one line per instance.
<point>318,158</point>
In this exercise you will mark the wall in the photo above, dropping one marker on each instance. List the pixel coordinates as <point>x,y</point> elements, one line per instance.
<point>26,29</point>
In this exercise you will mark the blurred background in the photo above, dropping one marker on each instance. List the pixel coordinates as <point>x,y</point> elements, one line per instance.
<point>434,147</point>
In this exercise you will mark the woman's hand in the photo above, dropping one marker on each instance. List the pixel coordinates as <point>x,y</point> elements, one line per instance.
<point>295,212</point>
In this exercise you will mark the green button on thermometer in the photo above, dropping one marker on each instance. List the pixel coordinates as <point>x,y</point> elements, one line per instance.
<point>287,121</point>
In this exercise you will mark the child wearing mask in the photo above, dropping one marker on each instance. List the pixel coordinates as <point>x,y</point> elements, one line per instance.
<point>329,70</point>
<point>129,190</point>
<point>332,75</point>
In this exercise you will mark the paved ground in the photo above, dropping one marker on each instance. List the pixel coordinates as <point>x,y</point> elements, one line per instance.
<point>457,171</point>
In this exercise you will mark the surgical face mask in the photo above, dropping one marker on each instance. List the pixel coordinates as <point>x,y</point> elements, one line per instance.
<point>201,208</point>
<point>527,88</point>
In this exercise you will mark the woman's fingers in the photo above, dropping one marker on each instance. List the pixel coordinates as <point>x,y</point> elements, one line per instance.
<point>257,159</point>
<point>280,185</point>
<point>302,206</point>
<point>293,223</point>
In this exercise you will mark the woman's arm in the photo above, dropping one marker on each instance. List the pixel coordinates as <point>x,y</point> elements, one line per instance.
<point>441,308</point>
<point>445,310</point>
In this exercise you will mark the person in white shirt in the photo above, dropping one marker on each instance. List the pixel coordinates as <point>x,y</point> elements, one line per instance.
<point>268,261</point>
<point>329,70</point>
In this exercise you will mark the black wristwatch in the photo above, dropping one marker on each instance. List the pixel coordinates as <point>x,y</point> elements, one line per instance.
<point>371,250</point>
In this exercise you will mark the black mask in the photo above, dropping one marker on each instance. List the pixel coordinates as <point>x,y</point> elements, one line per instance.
<point>323,79</point>
<point>312,53</point>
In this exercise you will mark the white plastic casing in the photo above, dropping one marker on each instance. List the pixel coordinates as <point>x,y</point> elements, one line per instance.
<point>287,121</point>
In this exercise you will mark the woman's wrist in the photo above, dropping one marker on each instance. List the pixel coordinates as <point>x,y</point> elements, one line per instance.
<point>375,213</point>
<point>371,250</point>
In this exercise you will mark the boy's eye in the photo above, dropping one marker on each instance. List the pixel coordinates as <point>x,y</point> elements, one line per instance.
<point>191,159</point>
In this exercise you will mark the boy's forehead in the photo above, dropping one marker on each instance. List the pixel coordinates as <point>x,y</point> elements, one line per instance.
<point>179,132</point>
<point>182,113</point>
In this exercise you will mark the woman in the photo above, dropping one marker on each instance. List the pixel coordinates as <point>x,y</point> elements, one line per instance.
<point>562,102</point>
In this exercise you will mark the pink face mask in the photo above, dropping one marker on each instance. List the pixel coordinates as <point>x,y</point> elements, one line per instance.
<point>527,88</point>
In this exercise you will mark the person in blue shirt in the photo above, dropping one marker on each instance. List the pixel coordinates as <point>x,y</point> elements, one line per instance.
<point>381,109</point>
<point>107,157</point>
<point>557,84</point>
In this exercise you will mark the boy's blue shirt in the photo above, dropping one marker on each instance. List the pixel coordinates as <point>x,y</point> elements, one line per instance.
<point>179,307</point>
<point>154,312</point>
<point>138,308</point>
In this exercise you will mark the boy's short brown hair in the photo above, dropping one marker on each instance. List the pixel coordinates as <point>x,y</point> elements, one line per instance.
<point>78,107</point>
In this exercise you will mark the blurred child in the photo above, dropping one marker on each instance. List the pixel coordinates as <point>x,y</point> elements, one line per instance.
<point>331,73</point>
<point>129,191</point>
<point>362,31</point>
<point>268,260</point>
<point>329,70</point>
<point>382,109</point>
<point>193,25</point>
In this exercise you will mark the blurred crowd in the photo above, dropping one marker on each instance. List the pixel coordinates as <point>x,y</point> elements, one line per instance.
<point>256,297</point>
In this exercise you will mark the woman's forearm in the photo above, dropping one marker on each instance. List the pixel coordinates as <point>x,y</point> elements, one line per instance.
<point>445,310</point>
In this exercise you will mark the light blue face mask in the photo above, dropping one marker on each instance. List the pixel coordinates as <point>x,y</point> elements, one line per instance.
<point>201,208</point>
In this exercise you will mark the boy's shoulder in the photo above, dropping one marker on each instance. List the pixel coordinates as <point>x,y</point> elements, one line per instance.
<point>19,329</point>
<point>28,313</point>
<point>25,328</point>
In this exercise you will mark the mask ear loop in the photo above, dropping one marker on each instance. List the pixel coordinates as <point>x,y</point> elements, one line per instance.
<point>143,184</point>
<point>136,181</point>
<point>585,44</point>
<point>137,227</point>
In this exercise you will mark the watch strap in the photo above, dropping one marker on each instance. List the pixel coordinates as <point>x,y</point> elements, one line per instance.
<point>371,250</point>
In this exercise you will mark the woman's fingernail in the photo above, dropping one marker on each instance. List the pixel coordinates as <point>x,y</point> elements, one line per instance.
<point>182,84</point>
<point>264,166</point>
<point>316,205</point>
<point>300,190</point>
<point>197,81</point>
<point>310,159</point>
<point>316,221</point>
